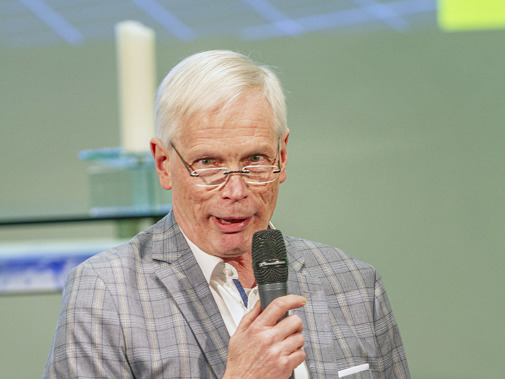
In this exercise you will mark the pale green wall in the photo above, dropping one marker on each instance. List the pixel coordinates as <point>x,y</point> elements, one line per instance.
<point>396,155</point>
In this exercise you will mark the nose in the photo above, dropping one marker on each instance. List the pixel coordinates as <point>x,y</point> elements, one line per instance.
<point>234,188</point>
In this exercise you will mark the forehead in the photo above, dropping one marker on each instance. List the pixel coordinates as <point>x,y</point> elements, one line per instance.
<point>247,121</point>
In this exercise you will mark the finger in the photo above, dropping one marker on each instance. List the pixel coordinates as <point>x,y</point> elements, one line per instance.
<point>291,324</point>
<point>293,343</point>
<point>292,348</point>
<point>278,308</point>
<point>249,317</point>
<point>296,358</point>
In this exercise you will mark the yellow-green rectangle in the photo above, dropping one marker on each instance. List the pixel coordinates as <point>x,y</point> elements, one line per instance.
<point>471,14</point>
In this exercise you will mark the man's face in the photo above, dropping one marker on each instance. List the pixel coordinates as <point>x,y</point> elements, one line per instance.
<point>221,221</point>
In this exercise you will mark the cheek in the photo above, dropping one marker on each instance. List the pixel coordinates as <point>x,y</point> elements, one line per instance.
<point>189,199</point>
<point>269,198</point>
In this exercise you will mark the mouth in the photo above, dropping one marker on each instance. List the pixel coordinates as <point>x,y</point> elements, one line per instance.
<point>228,221</point>
<point>231,224</point>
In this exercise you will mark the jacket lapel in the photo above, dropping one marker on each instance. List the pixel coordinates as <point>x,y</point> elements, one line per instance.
<point>319,345</point>
<point>185,281</point>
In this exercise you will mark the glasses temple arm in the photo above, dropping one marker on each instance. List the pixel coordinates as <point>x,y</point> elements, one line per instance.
<point>188,167</point>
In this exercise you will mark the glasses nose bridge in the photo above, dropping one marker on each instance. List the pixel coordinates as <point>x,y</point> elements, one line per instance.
<point>232,172</point>
<point>229,173</point>
<point>234,169</point>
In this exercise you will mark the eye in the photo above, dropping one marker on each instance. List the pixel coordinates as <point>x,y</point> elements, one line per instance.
<point>204,162</point>
<point>257,158</point>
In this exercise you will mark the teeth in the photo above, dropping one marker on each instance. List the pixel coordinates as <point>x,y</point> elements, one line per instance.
<point>223,221</point>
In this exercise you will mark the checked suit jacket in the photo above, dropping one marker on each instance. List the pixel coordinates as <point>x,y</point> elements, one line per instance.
<point>145,310</point>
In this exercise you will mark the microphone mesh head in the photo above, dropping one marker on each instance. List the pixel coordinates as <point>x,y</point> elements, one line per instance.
<point>269,256</point>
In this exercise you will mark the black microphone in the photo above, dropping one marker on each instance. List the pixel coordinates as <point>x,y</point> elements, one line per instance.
<point>270,265</point>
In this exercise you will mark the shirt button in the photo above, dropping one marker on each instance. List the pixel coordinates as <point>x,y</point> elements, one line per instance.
<point>228,272</point>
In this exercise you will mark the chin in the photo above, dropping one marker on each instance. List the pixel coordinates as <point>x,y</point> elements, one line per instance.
<point>235,245</point>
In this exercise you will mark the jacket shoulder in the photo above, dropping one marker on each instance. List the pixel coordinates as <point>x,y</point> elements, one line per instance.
<point>129,257</point>
<point>316,253</point>
<point>326,262</point>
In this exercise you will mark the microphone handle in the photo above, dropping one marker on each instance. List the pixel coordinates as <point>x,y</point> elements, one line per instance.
<point>269,292</point>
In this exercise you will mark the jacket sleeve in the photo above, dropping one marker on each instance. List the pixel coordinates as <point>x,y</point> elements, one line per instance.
<point>89,342</point>
<point>391,362</point>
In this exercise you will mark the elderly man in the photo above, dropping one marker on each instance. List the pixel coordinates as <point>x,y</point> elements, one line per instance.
<point>180,299</point>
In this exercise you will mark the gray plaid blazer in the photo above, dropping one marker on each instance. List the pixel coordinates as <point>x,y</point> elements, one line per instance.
<point>145,310</point>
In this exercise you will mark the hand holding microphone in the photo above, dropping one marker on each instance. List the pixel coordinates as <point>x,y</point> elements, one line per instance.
<point>267,344</point>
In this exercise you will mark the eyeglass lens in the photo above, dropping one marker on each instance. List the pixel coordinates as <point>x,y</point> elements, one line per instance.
<point>251,174</point>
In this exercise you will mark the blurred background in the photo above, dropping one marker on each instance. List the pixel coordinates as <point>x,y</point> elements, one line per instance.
<point>396,153</point>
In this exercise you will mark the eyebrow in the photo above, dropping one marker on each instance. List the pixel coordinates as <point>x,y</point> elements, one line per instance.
<point>206,152</point>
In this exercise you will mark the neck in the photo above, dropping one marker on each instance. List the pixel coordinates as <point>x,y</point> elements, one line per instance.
<point>243,265</point>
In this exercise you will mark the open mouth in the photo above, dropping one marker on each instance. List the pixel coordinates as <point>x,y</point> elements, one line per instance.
<point>230,220</point>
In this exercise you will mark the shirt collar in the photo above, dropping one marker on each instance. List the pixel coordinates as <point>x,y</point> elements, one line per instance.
<point>208,262</point>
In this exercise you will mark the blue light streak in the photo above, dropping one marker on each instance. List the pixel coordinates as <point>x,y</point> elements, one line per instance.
<point>61,26</point>
<point>279,20</point>
<point>166,19</point>
<point>339,19</point>
<point>383,13</point>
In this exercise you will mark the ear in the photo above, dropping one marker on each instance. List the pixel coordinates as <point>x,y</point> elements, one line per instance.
<point>284,156</point>
<point>162,163</point>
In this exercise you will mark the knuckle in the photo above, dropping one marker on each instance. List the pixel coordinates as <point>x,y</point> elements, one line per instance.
<point>301,340</point>
<point>266,340</point>
<point>295,321</point>
<point>279,303</point>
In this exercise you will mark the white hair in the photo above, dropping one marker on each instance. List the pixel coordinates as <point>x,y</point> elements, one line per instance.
<point>213,80</point>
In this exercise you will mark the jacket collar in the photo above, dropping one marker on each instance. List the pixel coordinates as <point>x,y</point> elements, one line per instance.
<point>180,273</point>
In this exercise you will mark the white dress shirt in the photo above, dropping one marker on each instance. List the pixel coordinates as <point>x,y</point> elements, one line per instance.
<point>227,293</point>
